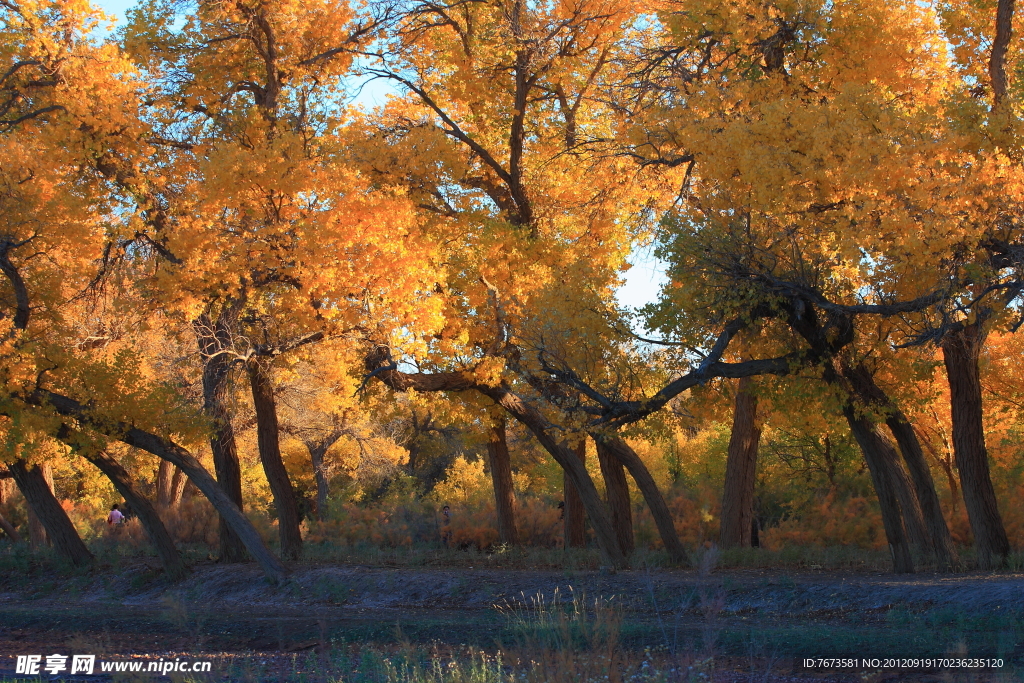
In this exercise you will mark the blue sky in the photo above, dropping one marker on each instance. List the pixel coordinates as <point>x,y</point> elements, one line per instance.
<point>643,280</point>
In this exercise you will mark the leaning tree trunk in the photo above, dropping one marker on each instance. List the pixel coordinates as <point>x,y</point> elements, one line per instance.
<point>621,450</point>
<point>881,464</point>
<point>268,438</point>
<point>940,543</point>
<point>213,342</point>
<point>147,514</point>
<point>960,352</point>
<point>40,498</point>
<point>740,470</point>
<point>9,529</point>
<point>617,489</point>
<point>501,478</point>
<point>574,526</point>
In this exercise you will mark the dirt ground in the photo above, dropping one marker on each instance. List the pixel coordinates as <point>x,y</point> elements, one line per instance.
<point>748,619</point>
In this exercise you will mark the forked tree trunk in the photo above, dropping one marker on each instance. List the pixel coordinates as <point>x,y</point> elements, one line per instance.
<point>501,478</point>
<point>740,470</point>
<point>317,451</point>
<point>147,514</point>
<point>935,524</point>
<point>621,450</point>
<point>268,438</point>
<point>880,464</point>
<point>617,493</point>
<point>937,533</point>
<point>40,498</point>
<point>574,523</point>
<point>213,339</point>
<point>960,352</point>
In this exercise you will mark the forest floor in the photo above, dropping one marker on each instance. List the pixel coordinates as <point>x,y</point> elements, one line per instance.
<point>723,625</point>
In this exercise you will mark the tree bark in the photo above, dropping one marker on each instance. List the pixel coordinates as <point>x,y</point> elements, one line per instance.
<point>317,451</point>
<point>174,567</point>
<point>9,529</point>
<point>178,483</point>
<point>961,350</point>
<point>214,339</point>
<point>268,438</point>
<point>880,458</point>
<point>37,536</point>
<point>501,478</point>
<point>740,470</point>
<point>621,450</point>
<point>164,483</point>
<point>40,498</point>
<point>574,528</point>
<point>935,530</point>
<point>617,493</point>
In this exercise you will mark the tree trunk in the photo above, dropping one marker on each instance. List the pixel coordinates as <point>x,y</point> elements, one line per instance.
<point>574,523</point>
<point>178,483</point>
<point>164,482</point>
<point>9,529</point>
<point>934,525</point>
<point>268,438</point>
<point>740,470</point>
<point>37,537</point>
<point>941,542</point>
<point>621,450</point>
<point>960,352</point>
<point>317,451</point>
<point>501,478</point>
<point>39,496</point>
<point>880,463</point>
<point>147,514</point>
<point>617,489</point>
<point>213,342</point>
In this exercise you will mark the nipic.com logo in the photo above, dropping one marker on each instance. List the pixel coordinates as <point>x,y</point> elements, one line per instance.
<point>34,665</point>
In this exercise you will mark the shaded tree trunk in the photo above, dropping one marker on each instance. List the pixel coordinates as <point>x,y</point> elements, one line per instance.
<point>501,478</point>
<point>37,536</point>
<point>268,438</point>
<point>740,470</point>
<point>9,529</point>
<point>961,350</point>
<point>178,483</point>
<point>317,452</point>
<point>881,457</point>
<point>934,524</point>
<point>164,483</point>
<point>214,340</point>
<point>621,450</point>
<point>39,496</point>
<point>147,514</point>
<point>574,522</point>
<point>617,489</point>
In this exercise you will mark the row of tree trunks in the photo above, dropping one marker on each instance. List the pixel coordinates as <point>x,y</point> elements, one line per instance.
<point>617,495</point>
<point>268,440</point>
<point>214,341</point>
<point>882,461</point>
<point>39,496</point>
<point>961,350</point>
<point>574,531</point>
<point>174,567</point>
<point>740,469</point>
<point>501,478</point>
